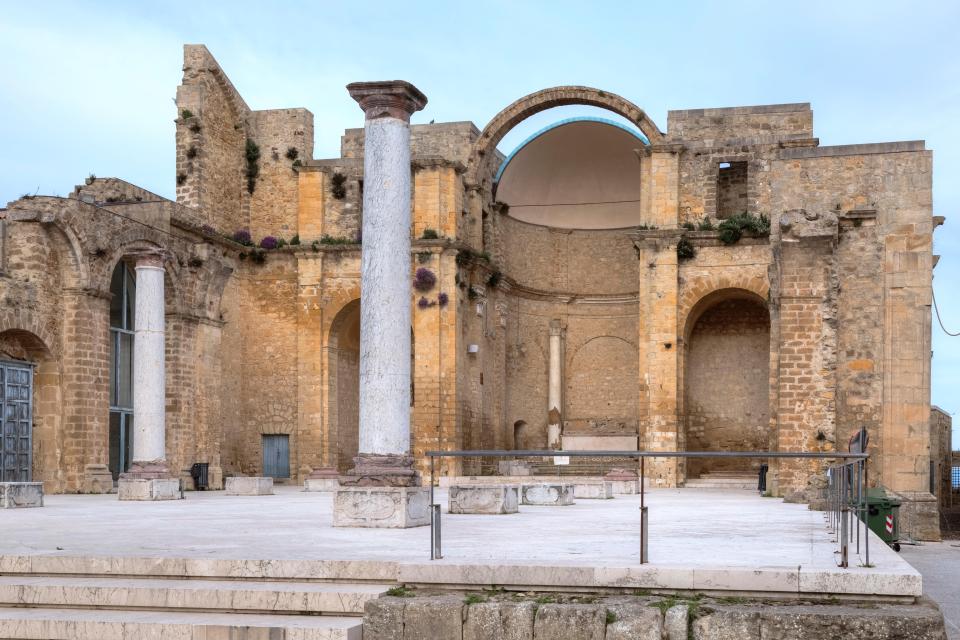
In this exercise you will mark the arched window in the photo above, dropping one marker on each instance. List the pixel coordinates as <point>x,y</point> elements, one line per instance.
<point>123,292</point>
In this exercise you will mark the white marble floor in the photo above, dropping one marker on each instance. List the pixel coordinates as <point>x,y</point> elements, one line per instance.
<point>703,529</point>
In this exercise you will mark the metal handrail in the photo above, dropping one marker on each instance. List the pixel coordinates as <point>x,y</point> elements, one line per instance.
<point>840,499</point>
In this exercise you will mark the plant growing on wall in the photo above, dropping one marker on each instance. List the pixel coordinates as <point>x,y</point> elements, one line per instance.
<point>269,243</point>
<point>689,226</point>
<point>292,153</point>
<point>192,152</point>
<point>735,226</point>
<point>295,240</point>
<point>252,155</point>
<point>429,234</point>
<point>181,179</point>
<point>186,114</point>
<point>424,280</point>
<point>494,279</point>
<point>443,299</point>
<point>423,303</point>
<point>501,207</point>
<point>338,186</point>
<point>706,224</point>
<point>464,256</point>
<point>685,249</point>
<point>328,239</point>
<point>242,236</point>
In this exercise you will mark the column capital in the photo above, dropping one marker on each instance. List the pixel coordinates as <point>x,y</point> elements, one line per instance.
<point>148,258</point>
<point>387,99</point>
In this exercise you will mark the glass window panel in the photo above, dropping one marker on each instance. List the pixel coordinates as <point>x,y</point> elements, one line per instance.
<point>125,372</point>
<point>131,301</point>
<point>127,440</point>
<point>113,368</point>
<point>114,443</point>
<point>116,299</point>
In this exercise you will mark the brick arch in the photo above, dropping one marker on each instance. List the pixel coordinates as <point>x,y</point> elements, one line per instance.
<point>704,292</point>
<point>545,99</point>
<point>342,386</point>
<point>23,321</point>
<point>67,242</point>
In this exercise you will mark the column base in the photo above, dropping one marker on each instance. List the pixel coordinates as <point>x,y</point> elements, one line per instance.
<point>375,470</point>
<point>97,479</point>
<point>148,481</point>
<point>384,507</point>
<point>249,486</point>
<point>322,479</point>
<point>154,489</point>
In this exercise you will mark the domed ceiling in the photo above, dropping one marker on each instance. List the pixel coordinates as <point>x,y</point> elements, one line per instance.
<point>576,174</point>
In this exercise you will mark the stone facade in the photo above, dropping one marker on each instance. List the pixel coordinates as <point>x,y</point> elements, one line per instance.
<point>790,340</point>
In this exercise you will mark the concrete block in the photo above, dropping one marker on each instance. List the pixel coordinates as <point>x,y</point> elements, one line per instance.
<point>383,618</point>
<point>321,484</point>
<point>381,507</point>
<point>249,486</point>
<point>593,490</point>
<point>155,489</point>
<point>547,494</point>
<point>570,622</point>
<point>16,495</point>
<point>488,499</point>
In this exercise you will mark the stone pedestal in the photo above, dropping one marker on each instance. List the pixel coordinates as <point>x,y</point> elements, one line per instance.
<point>323,479</point>
<point>489,499</point>
<point>18,495</point>
<point>593,490</point>
<point>249,486</point>
<point>624,481</point>
<point>547,494</point>
<point>148,489</point>
<point>381,507</point>
<point>97,479</point>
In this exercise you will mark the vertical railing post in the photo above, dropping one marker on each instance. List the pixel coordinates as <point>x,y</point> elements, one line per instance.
<point>866,521</point>
<point>643,514</point>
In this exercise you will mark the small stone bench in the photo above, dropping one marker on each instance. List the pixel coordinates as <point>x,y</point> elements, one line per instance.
<point>148,489</point>
<point>249,486</point>
<point>19,495</point>
<point>489,499</point>
<point>321,484</point>
<point>547,494</point>
<point>593,490</point>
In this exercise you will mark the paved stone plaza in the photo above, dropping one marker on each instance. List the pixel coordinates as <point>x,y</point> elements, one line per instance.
<point>698,540</point>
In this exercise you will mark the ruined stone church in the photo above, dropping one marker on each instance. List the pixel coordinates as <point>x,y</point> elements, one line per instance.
<point>723,284</point>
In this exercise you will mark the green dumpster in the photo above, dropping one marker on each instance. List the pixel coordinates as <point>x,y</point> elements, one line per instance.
<point>883,516</point>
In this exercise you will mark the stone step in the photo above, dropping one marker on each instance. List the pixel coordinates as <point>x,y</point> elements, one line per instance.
<point>113,624</point>
<point>711,484</point>
<point>171,594</point>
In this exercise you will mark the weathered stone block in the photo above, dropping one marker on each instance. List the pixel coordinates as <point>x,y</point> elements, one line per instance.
<point>547,494</point>
<point>625,487</point>
<point>97,479</point>
<point>635,622</point>
<point>383,618</point>
<point>889,622</point>
<point>675,622</point>
<point>499,621</point>
<point>730,624</point>
<point>16,495</point>
<point>487,499</point>
<point>382,507</point>
<point>439,618</point>
<point>321,484</point>
<point>249,486</point>
<point>593,490</point>
<point>514,468</point>
<point>155,489</point>
<point>570,622</point>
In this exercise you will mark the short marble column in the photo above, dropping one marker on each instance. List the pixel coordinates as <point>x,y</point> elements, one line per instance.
<point>555,386</point>
<point>149,477</point>
<point>385,314</point>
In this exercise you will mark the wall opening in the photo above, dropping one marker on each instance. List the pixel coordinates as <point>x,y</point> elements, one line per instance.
<point>344,385</point>
<point>731,189</point>
<point>123,292</point>
<point>727,382</point>
<point>520,436</point>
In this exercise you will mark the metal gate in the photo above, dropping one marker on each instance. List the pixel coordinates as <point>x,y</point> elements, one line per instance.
<point>276,456</point>
<point>16,403</point>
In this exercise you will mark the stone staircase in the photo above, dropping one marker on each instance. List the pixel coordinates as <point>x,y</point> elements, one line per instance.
<point>101,606</point>
<point>723,480</point>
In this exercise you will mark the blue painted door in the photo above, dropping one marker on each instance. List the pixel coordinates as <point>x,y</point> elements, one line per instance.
<point>276,456</point>
<point>16,422</point>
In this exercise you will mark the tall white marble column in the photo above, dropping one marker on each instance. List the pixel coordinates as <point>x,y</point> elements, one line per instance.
<point>149,477</point>
<point>384,459</point>
<point>555,386</point>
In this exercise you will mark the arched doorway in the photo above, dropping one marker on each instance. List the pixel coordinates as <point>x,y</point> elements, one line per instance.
<point>727,380</point>
<point>30,406</point>
<point>344,384</point>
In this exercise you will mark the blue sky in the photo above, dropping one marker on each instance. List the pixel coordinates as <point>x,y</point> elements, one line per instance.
<point>88,87</point>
